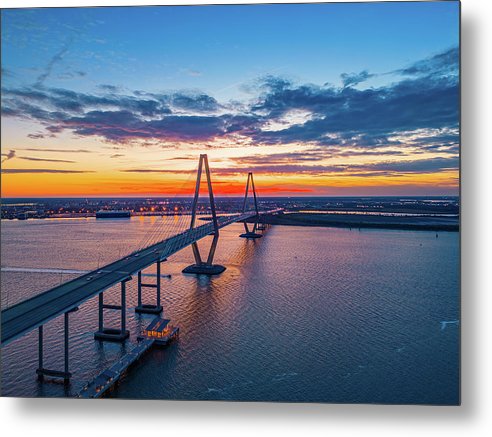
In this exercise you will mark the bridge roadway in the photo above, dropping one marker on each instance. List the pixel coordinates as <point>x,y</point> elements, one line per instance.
<point>27,315</point>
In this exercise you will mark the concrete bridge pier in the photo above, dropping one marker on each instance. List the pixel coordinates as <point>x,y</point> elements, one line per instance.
<point>41,370</point>
<point>250,233</point>
<point>205,267</point>
<point>112,334</point>
<point>149,308</point>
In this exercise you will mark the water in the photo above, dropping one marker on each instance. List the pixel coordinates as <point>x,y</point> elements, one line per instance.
<point>302,315</point>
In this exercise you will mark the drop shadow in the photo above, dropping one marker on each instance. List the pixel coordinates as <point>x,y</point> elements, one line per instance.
<point>469,213</point>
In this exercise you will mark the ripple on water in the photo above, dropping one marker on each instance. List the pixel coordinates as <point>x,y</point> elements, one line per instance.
<point>303,314</point>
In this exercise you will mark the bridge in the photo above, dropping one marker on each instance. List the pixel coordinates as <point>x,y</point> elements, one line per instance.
<point>63,299</point>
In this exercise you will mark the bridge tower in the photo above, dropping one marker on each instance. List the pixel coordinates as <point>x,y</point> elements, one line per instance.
<point>251,233</point>
<point>204,267</point>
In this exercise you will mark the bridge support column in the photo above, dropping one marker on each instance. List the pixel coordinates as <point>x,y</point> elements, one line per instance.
<point>146,308</point>
<point>205,267</point>
<point>200,267</point>
<point>261,225</point>
<point>41,370</point>
<point>112,334</point>
<point>247,233</point>
<point>250,234</point>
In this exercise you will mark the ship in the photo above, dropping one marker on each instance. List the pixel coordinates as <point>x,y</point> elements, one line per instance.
<point>112,213</point>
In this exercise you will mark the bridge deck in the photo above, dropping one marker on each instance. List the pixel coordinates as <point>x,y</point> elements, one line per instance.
<point>31,313</point>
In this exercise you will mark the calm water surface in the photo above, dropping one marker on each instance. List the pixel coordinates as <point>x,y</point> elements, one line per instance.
<point>303,314</point>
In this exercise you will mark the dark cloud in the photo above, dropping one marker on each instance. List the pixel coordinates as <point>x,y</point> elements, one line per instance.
<point>54,60</point>
<point>279,158</point>
<point>9,155</point>
<point>369,152</point>
<point>349,79</point>
<point>121,126</point>
<point>40,170</point>
<point>437,142</point>
<point>311,155</point>
<point>367,116</point>
<point>32,158</point>
<point>57,105</point>
<point>183,158</point>
<point>36,136</point>
<point>109,88</point>
<point>117,155</point>
<point>444,63</point>
<point>416,166</point>
<point>72,75</point>
<point>388,168</point>
<point>39,149</point>
<point>420,111</point>
<point>281,96</point>
<point>149,170</point>
<point>198,102</point>
<point>120,118</point>
<point>283,169</point>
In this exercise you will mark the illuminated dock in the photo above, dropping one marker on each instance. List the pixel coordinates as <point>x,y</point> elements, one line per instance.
<point>159,332</point>
<point>103,382</point>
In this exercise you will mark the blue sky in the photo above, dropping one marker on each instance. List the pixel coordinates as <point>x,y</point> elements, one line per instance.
<point>218,49</point>
<point>355,98</point>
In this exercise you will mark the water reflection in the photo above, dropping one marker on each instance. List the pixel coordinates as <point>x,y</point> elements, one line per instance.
<point>302,314</point>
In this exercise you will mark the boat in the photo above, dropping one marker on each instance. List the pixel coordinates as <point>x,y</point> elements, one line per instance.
<point>161,331</point>
<point>112,213</point>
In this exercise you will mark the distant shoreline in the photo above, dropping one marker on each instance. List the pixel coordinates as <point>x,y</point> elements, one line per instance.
<point>356,221</point>
<point>338,220</point>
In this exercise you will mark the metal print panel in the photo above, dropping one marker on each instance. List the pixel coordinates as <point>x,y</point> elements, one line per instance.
<point>235,202</point>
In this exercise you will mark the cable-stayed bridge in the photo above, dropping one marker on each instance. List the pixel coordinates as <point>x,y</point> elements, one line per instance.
<point>65,298</point>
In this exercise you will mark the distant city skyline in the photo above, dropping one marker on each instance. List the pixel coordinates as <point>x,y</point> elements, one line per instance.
<point>315,99</point>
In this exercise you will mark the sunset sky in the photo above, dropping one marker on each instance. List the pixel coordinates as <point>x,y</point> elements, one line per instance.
<point>327,99</point>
